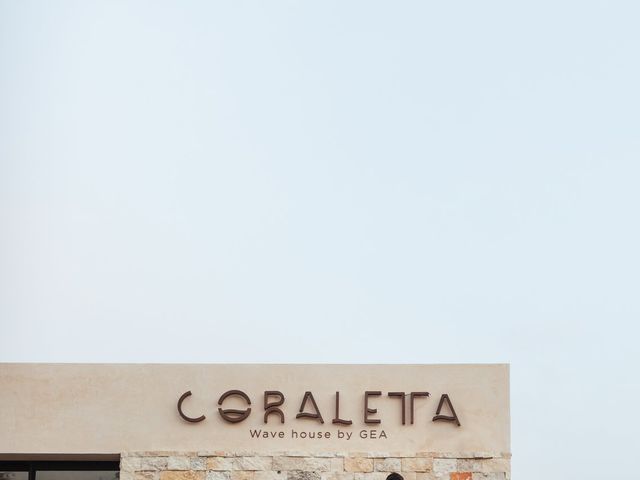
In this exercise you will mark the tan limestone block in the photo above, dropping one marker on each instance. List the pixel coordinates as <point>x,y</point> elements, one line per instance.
<point>215,453</point>
<point>337,476</point>
<point>178,475</point>
<point>299,475</point>
<point>489,476</point>
<point>178,463</point>
<point>372,454</point>
<point>358,464</point>
<point>371,476</point>
<point>242,475</point>
<point>292,453</point>
<point>130,464</point>
<point>219,463</point>
<point>490,465</point>
<point>418,464</point>
<point>444,465</point>
<point>269,475</point>
<point>213,475</point>
<point>302,464</point>
<point>252,463</point>
<point>432,476</point>
<point>153,463</point>
<point>387,465</point>
<point>409,475</point>
<point>145,476</point>
<point>496,465</point>
<point>337,465</point>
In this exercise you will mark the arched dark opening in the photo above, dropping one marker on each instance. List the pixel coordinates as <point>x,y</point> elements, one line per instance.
<point>395,476</point>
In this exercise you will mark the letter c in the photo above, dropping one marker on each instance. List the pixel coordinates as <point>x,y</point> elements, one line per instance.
<point>182,414</point>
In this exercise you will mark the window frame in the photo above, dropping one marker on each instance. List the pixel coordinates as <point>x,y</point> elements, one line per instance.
<point>57,465</point>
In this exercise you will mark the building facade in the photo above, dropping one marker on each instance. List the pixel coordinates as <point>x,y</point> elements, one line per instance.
<point>254,422</point>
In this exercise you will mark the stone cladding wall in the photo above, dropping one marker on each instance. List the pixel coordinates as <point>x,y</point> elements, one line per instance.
<point>218,465</point>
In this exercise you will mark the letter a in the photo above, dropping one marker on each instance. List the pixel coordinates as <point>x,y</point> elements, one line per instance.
<point>446,418</point>
<point>312,416</point>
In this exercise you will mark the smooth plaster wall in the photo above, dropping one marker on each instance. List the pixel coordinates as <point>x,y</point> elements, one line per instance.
<point>71,408</point>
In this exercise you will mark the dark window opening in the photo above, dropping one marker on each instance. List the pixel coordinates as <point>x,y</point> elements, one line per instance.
<point>59,470</point>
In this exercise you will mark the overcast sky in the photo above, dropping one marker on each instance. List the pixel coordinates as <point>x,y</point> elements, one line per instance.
<point>352,181</point>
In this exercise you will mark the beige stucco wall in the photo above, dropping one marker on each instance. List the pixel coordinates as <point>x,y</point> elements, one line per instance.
<point>123,408</point>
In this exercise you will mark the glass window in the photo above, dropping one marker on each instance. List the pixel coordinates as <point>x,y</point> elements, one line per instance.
<point>59,470</point>
<point>14,475</point>
<point>76,475</point>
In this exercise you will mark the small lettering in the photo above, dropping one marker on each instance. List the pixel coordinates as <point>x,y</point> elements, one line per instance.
<point>373,434</point>
<point>266,434</point>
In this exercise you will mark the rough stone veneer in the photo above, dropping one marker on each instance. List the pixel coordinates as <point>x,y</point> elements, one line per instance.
<point>300,466</point>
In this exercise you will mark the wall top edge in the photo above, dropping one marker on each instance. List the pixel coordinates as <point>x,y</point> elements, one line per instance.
<point>254,364</point>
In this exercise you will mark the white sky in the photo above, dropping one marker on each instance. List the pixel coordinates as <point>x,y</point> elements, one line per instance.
<point>351,181</point>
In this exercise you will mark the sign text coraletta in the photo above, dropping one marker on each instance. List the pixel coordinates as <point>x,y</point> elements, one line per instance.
<point>273,401</point>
